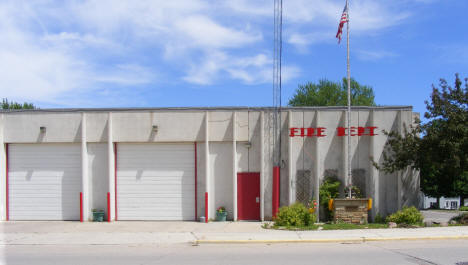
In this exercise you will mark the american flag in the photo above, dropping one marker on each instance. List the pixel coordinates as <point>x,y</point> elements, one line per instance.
<point>344,19</point>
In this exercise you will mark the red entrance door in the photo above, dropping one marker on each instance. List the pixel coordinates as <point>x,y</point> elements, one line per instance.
<point>248,196</point>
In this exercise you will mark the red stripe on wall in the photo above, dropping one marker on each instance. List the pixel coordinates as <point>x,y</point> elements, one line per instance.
<point>81,206</point>
<point>196,213</point>
<point>115,178</point>
<point>108,208</point>
<point>7,185</point>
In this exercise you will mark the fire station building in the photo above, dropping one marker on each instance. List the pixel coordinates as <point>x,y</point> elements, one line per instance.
<point>184,163</point>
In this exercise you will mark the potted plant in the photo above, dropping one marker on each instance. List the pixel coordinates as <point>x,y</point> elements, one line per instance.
<point>221,214</point>
<point>98,215</point>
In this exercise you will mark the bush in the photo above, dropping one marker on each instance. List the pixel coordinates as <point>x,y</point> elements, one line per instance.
<point>463,208</point>
<point>379,219</point>
<point>461,218</point>
<point>355,192</point>
<point>408,215</point>
<point>294,215</point>
<point>329,189</point>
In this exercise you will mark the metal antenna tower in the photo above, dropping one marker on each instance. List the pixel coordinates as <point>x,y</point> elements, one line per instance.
<point>277,52</point>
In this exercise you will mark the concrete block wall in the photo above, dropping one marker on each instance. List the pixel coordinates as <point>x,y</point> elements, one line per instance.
<point>252,146</point>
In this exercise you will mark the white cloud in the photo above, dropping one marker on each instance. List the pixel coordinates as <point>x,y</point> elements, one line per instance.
<point>76,40</point>
<point>365,15</point>
<point>205,33</point>
<point>303,41</point>
<point>205,72</point>
<point>32,74</point>
<point>368,55</point>
<point>369,16</point>
<point>249,70</point>
<point>256,8</point>
<point>39,66</point>
<point>126,75</point>
<point>52,48</point>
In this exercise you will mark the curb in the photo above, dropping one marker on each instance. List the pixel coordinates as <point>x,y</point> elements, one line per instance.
<point>331,240</point>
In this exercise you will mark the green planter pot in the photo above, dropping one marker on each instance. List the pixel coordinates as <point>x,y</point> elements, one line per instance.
<point>221,217</point>
<point>98,216</point>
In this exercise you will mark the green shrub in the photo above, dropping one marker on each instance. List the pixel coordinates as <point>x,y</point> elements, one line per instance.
<point>463,208</point>
<point>408,215</point>
<point>294,215</point>
<point>461,218</point>
<point>329,189</point>
<point>379,219</point>
<point>356,192</point>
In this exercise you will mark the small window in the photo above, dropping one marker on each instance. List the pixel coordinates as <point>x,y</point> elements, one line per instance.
<point>454,205</point>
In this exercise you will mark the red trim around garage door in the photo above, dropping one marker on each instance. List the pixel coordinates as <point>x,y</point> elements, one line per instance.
<point>7,184</point>
<point>196,213</point>
<point>108,207</point>
<point>115,178</point>
<point>81,206</point>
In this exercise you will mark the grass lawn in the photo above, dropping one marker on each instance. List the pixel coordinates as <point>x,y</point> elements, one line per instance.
<point>353,226</point>
<point>341,226</point>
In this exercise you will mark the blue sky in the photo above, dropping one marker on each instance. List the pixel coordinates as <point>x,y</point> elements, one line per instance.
<point>150,53</point>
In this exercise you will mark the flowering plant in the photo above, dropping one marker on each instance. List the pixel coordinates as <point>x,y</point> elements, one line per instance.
<point>221,209</point>
<point>312,205</point>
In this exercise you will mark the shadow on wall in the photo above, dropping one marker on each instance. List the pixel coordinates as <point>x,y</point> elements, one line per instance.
<point>388,184</point>
<point>221,165</point>
<point>410,183</point>
<point>98,173</point>
<point>359,180</point>
<point>334,158</point>
<point>303,186</point>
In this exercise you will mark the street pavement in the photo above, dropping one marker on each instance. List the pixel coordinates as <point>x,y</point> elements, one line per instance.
<point>364,253</point>
<point>121,233</point>
<point>224,243</point>
<point>439,216</point>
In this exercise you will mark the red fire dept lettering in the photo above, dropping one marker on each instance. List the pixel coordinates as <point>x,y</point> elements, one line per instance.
<point>340,131</point>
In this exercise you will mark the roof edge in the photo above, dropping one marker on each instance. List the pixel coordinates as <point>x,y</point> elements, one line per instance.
<point>206,109</point>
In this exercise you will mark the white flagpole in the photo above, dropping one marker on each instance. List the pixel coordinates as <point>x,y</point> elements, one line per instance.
<point>349,103</point>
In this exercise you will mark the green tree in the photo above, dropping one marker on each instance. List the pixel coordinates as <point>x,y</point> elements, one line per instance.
<point>328,93</point>
<point>15,105</point>
<point>441,153</point>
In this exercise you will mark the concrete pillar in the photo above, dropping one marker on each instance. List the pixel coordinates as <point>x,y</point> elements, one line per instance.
<point>373,172</point>
<point>234,165</point>
<point>317,166</point>
<point>262,166</point>
<point>2,172</point>
<point>111,167</point>
<point>84,168</point>
<point>291,179</point>
<point>207,166</point>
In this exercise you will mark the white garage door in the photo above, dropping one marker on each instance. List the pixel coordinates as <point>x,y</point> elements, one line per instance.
<point>155,182</point>
<point>44,181</point>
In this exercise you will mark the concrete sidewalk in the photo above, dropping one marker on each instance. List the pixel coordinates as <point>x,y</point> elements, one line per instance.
<point>136,233</point>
